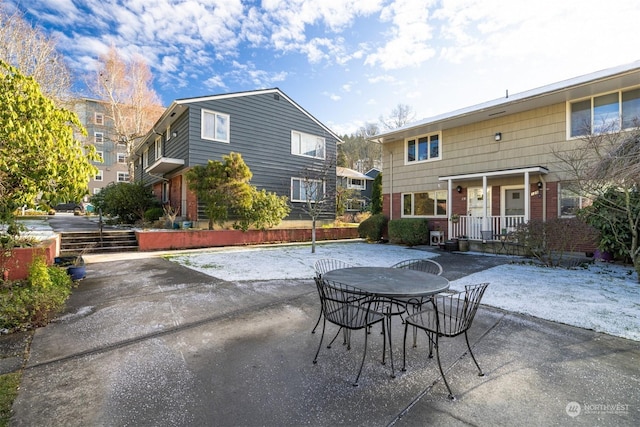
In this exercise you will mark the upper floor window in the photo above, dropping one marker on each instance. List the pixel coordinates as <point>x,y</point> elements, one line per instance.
<point>422,148</point>
<point>304,144</point>
<point>98,176</point>
<point>303,190</point>
<point>570,200</point>
<point>145,158</point>
<point>100,155</point>
<point>98,137</point>
<point>356,184</point>
<point>158,147</point>
<point>215,126</point>
<point>99,118</point>
<point>605,113</point>
<point>168,133</point>
<point>123,176</point>
<point>429,203</point>
<point>122,158</point>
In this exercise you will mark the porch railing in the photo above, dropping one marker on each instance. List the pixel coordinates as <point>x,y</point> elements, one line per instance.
<point>471,226</point>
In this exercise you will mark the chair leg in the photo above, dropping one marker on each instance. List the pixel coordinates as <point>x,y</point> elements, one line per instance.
<point>364,356</point>
<point>481,374</point>
<point>451,396</point>
<point>313,331</point>
<point>388,320</point>
<point>404,348</point>
<point>430,345</point>
<point>315,359</point>
<point>334,338</point>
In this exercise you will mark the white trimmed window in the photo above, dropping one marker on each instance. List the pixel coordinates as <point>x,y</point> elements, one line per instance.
<point>98,137</point>
<point>422,148</point>
<point>168,134</point>
<point>96,190</point>
<point>215,126</point>
<point>303,190</point>
<point>609,112</point>
<point>122,157</point>
<point>570,200</point>
<point>158,147</point>
<point>145,157</point>
<point>100,155</point>
<point>99,175</point>
<point>98,118</point>
<point>426,204</point>
<point>123,176</point>
<point>356,184</point>
<point>304,144</point>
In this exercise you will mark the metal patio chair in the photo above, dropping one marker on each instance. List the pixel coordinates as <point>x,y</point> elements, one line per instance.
<point>348,308</point>
<point>426,266</point>
<point>450,316</point>
<point>321,266</point>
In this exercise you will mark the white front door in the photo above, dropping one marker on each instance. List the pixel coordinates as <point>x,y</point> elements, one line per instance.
<point>475,202</point>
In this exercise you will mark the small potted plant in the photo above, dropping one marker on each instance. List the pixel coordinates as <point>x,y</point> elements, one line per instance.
<point>455,218</point>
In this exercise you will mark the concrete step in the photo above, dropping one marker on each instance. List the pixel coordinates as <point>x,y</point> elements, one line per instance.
<point>95,242</point>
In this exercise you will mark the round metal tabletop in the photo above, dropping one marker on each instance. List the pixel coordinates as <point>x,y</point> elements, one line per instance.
<point>389,282</point>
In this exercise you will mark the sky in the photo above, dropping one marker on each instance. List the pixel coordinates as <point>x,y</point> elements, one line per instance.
<point>347,62</point>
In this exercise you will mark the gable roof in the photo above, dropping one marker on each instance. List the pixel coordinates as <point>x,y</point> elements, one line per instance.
<point>181,104</point>
<point>350,173</point>
<point>607,80</point>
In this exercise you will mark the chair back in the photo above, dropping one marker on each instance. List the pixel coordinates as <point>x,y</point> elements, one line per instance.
<point>424,265</point>
<point>345,305</point>
<point>486,235</point>
<point>456,312</point>
<point>328,264</point>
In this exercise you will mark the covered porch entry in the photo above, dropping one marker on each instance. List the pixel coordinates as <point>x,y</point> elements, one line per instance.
<point>492,203</point>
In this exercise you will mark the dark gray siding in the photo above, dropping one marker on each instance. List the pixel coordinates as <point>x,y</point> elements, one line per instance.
<point>176,147</point>
<point>260,130</point>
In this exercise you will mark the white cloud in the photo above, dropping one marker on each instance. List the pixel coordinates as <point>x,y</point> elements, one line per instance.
<point>409,37</point>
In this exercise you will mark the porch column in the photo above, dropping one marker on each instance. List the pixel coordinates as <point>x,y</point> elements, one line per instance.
<point>485,218</point>
<point>449,207</point>
<point>527,199</point>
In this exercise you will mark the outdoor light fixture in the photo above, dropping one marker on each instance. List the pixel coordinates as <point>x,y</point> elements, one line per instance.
<point>539,184</point>
<point>498,136</point>
<point>174,134</point>
<point>459,189</point>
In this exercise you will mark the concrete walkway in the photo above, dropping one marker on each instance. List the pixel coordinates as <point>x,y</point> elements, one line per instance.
<point>149,342</point>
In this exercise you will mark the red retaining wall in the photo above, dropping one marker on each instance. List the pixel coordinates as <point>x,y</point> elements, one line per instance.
<point>191,239</point>
<point>17,265</point>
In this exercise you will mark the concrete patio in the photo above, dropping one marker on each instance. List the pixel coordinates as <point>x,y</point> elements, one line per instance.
<point>149,342</point>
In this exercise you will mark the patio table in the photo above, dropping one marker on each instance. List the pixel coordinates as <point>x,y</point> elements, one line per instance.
<point>390,283</point>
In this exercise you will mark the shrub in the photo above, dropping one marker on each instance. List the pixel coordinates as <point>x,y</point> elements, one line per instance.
<point>409,231</point>
<point>362,216</point>
<point>153,214</point>
<point>125,201</point>
<point>372,228</point>
<point>33,302</point>
<point>550,241</point>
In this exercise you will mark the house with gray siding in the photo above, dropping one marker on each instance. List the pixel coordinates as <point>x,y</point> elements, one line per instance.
<point>278,140</point>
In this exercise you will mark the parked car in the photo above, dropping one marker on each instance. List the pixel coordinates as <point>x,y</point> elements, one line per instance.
<point>68,207</point>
